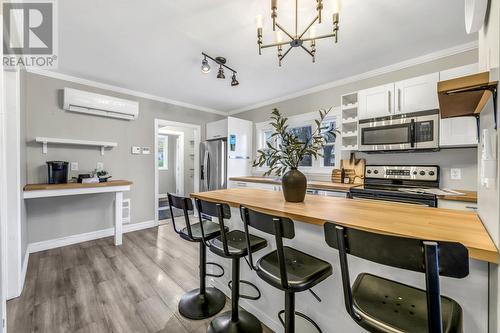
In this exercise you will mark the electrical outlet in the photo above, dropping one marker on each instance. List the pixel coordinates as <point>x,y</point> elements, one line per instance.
<point>100,166</point>
<point>456,173</point>
<point>74,166</point>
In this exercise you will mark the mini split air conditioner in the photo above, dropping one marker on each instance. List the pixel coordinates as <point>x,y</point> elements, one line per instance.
<point>99,105</point>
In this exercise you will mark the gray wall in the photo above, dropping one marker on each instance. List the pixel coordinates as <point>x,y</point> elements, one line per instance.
<point>461,158</point>
<point>166,178</point>
<point>58,217</point>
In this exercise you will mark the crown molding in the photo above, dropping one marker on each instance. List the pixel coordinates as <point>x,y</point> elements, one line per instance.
<point>121,90</point>
<point>376,72</point>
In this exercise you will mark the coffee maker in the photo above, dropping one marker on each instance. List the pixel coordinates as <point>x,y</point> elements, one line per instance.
<point>57,172</point>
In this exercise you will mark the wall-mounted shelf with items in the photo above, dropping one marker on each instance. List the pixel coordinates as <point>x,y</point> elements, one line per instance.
<point>102,144</point>
<point>349,111</point>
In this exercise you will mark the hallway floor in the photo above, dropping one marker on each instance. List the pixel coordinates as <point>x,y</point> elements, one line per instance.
<point>96,287</point>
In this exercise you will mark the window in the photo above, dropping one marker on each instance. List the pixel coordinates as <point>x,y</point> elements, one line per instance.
<point>303,126</point>
<point>162,152</point>
<point>328,159</point>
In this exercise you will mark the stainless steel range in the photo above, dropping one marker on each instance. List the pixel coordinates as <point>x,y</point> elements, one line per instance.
<point>399,183</point>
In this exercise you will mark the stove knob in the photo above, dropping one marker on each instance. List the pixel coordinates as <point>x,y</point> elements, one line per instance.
<point>369,171</point>
<point>422,173</point>
<point>375,172</point>
<point>431,173</point>
<point>414,172</point>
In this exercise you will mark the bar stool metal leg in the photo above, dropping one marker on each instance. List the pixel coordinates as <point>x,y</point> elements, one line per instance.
<point>237,320</point>
<point>289,312</point>
<point>203,302</point>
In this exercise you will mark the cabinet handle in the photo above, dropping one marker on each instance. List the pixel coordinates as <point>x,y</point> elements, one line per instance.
<point>399,100</point>
<point>389,100</point>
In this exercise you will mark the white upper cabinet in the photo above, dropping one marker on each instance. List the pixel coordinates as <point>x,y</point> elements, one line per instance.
<point>416,94</point>
<point>453,73</point>
<point>217,129</point>
<point>376,102</point>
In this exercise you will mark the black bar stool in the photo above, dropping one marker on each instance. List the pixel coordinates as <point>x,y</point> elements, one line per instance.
<point>203,302</point>
<point>287,269</point>
<point>233,245</point>
<point>381,305</point>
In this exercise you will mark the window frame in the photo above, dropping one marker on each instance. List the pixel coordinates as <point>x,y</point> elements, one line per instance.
<point>302,120</point>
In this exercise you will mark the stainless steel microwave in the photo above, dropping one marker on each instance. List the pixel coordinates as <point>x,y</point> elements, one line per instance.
<point>412,131</point>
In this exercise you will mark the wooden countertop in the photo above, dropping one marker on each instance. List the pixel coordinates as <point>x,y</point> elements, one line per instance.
<point>45,187</point>
<point>319,185</point>
<point>376,216</point>
<point>468,196</point>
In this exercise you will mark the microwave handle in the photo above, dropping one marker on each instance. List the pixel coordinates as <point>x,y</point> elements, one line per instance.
<point>413,133</point>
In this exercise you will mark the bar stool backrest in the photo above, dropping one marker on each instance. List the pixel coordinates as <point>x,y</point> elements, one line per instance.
<point>280,227</point>
<point>219,210</point>
<point>434,258</point>
<point>180,203</point>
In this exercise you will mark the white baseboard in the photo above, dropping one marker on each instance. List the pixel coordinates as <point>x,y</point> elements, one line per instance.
<point>272,323</point>
<point>85,237</point>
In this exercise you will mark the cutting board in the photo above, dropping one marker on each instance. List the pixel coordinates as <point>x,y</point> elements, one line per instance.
<point>357,176</point>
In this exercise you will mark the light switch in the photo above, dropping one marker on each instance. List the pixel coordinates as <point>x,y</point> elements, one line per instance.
<point>456,173</point>
<point>100,166</point>
<point>136,150</point>
<point>146,151</point>
<point>74,166</point>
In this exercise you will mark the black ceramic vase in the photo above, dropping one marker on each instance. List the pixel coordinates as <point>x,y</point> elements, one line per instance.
<point>294,185</point>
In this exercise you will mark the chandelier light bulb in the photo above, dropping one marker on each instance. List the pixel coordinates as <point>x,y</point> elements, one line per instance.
<point>312,32</point>
<point>259,19</point>
<point>279,36</point>
<point>336,6</point>
<point>205,67</point>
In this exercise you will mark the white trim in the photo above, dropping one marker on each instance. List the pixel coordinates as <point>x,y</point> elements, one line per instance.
<point>197,140</point>
<point>179,170</point>
<point>85,237</point>
<point>121,90</point>
<point>74,191</point>
<point>363,76</point>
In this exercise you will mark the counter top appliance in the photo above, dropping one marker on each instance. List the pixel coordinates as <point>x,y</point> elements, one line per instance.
<point>392,182</point>
<point>412,131</point>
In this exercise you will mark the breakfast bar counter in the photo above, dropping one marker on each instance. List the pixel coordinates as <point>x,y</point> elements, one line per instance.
<point>376,216</point>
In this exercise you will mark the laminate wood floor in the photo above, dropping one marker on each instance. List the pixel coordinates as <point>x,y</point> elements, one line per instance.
<point>95,287</point>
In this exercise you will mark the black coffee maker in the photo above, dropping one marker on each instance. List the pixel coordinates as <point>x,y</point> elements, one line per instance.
<point>57,172</point>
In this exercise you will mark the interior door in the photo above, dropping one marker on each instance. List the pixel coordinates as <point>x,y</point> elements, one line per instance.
<point>417,94</point>
<point>376,102</point>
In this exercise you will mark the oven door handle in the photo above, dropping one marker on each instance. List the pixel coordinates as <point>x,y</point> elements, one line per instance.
<point>413,134</point>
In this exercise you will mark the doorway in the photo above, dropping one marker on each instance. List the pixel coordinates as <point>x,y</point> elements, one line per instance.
<point>176,164</point>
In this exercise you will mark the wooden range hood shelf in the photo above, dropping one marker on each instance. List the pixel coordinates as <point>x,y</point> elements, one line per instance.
<point>466,96</point>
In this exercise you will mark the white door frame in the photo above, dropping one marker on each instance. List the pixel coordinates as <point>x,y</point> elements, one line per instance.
<point>179,165</point>
<point>197,140</point>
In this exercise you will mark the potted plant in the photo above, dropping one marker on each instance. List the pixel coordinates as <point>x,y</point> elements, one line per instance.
<point>284,156</point>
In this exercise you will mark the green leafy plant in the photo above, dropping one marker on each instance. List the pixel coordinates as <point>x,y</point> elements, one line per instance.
<point>288,150</point>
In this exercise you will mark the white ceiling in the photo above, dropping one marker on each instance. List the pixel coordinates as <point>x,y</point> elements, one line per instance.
<point>154,46</point>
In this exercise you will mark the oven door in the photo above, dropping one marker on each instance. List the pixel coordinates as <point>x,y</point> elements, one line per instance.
<point>394,198</point>
<point>390,134</point>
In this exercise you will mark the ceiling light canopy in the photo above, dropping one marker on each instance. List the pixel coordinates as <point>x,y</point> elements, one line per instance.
<point>221,61</point>
<point>297,39</point>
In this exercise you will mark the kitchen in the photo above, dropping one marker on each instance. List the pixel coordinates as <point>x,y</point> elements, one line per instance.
<point>325,181</point>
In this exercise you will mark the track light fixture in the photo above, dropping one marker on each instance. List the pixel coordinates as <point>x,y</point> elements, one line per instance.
<point>297,38</point>
<point>221,61</point>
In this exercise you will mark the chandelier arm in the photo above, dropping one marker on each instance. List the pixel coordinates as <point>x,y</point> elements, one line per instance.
<point>286,52</point>
<point>310,53</point>
<point>284,30</point>
<point>309,26</point>
<point>274,45</point>
<point>319,37</point>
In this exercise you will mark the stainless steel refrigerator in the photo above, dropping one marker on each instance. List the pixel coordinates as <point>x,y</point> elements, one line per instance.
<point>213,170</point>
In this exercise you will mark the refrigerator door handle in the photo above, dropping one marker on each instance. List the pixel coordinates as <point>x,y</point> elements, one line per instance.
<point>206,175</point>
<point>223,165</point>
<point>208,172</point>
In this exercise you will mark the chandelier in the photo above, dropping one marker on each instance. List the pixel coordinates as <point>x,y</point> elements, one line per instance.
<point>297,39</point>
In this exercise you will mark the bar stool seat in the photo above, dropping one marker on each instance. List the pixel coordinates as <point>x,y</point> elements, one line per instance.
<point>237,244</point>
<point>383,303</point>
<point>303,271</point>
<point>211,229</point>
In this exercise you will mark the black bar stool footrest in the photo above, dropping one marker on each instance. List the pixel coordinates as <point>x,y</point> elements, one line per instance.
<point>303,316</point>
<point>253,298</point>
<point>216,265</point>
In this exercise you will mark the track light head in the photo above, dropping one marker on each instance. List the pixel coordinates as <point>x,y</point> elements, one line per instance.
<point>205,67</point>
<point>221,75</point>
<point>234,81</point>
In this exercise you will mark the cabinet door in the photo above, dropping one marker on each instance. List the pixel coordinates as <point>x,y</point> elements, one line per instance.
<point>458,132</point>
<point>376,102</point>
<point>217,129</point>
<point>453,73</point>
<point>417,94</point>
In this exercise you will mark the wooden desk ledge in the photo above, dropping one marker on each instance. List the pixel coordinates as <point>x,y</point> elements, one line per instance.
<point>419,222</point>
<point>42,187</point>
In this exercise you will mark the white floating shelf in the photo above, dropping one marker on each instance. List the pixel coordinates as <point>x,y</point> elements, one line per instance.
<point>350,134</point>
<point>45,141</point>
<point>350,120</point>
<point>349,106</point>
<point>355,147</point>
